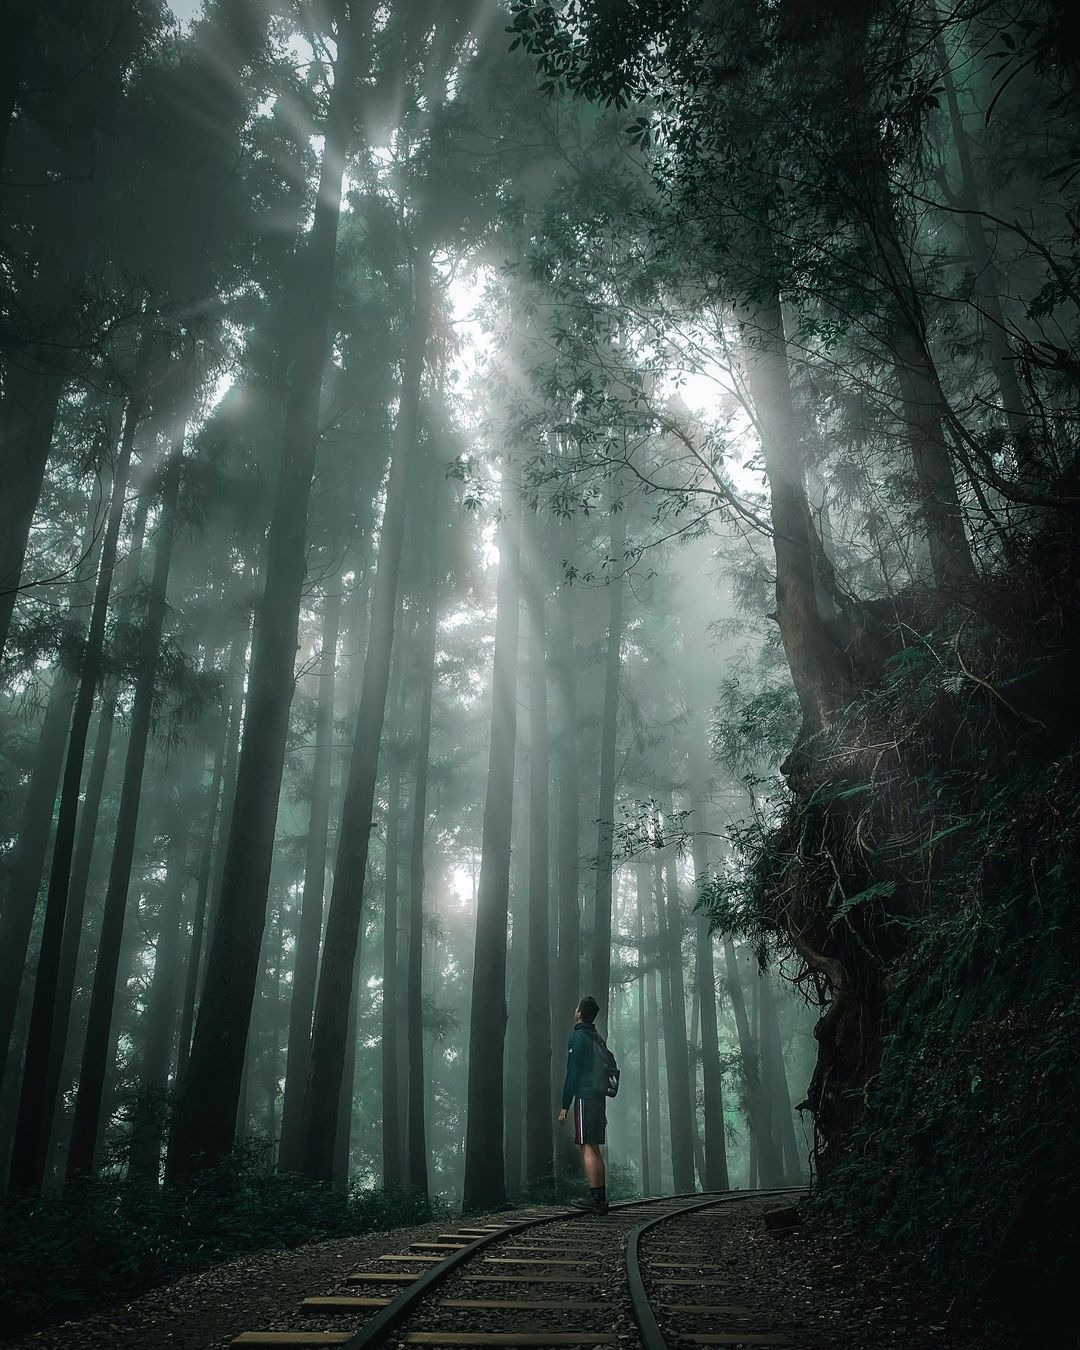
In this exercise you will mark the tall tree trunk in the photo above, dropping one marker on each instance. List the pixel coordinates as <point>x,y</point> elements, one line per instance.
<point>987,278</point>
<point>34,1118</point>
<point>27,419</point>
<point>414,993</point>
<point>76,952</point>
<point>238,717</point>
<point>652,1032</point>
<point>144,1159</point>
<point>514,1056</point>
<point>776,1085</point>
<point>392,1136</point>
<point>95,1060</point>
<point>206,1112</point>
<point>27,866</point>
<point>680,1105</point>
<point>764,1147</point>
<point>225,753</point>
<point>346,900</point>
<point>309,931</point>
<point>339,1173</point>
<point>716,1167</point>
<point>539,1108</point>
<point>601,946</point>
<point>641,876</point>
<point>273,1048</point>
<point>568,826</point>
<point>818,671</point>
<point>485,1182</point>
<point>924,409</point>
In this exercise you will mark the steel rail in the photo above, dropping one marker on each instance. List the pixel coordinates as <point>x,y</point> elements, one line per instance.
<point>387,1319</point>
<point>651,1335</point>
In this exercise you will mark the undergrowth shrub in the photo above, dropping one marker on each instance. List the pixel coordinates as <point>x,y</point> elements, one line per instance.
<point>65,1255</point>
<point>920,873</point>
<point>964,1158</point>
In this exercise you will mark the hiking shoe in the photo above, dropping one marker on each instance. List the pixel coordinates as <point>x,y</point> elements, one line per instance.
<point>590,1205</point>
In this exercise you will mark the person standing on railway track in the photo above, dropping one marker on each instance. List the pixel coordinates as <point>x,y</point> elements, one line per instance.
<point>586,1089</point>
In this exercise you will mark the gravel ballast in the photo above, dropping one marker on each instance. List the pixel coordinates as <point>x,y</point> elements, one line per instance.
<point>820,1292</point>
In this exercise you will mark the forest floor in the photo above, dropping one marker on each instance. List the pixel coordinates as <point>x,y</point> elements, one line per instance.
<point>823,1288</point>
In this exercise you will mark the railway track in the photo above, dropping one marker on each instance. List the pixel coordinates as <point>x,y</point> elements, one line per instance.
<point>638,1277</point>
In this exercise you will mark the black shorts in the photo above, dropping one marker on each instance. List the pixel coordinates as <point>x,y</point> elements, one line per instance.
<point>590,1119</point>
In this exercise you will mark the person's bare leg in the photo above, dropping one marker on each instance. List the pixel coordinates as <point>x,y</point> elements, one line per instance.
<point>593,1159</point>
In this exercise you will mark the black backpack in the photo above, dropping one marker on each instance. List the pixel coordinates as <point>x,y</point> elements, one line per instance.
<point>604,1071</point>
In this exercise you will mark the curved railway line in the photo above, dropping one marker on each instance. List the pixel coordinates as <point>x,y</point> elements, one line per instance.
<point>640,1276</point>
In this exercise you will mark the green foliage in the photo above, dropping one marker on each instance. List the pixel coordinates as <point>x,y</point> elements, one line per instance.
<point>964,1160</point>
<point>62,1256</point>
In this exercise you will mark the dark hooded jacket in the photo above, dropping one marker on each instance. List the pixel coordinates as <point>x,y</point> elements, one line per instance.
<point>580,1060</point>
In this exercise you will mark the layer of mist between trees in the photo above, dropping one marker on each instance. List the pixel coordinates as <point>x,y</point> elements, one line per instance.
<point>504,502</point>
<point>274,425</point>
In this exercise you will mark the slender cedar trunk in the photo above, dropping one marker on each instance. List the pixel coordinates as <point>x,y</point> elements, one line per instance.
<point>34,1118</point>
<point>237,718</point>
<point>775,1083</point>
<point>925,411</point>
<point>764,1147</point>
<point>144,1159</point>
<point>485,1184</point>
<point>31,848</point>
<point>226,742</point>
<point>243,1100</point>
<point>359,616</point>
<point>568,826</point>
<point>950,554</point>
<point>206,1112</point>
<point>96,1048</point>
<point>605,829</point>
<point>716,1166</point>
<point>765,1068</point>
<point>393,1171</point>
<point>652,1027</point>
<point>414,992</point>
<point>343,1128</point>
<point>27,419</point>
<point>987,277</point>
<point>271,1064</point>
<point>28,861</point>
<point>76,952</point>
<point>641,877</point>
<point>680,1105</point>
<point>695,1061</point>
<point>538,1104</point>
<point>346,901</point>
<point>309,929</point>
<point>514,1073</point>
<point>818,671</point>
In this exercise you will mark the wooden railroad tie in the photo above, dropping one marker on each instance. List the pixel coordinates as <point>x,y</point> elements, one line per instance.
<point>437,1246</point>
<point>341,1303</point>
<point>533,1279</point>
<point>409,1256</point>
<point>532,1260</point>
<point>276,1338</point>
<point>381,1277</point>
<point>524,1305</point>
<point>510,1338</point>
